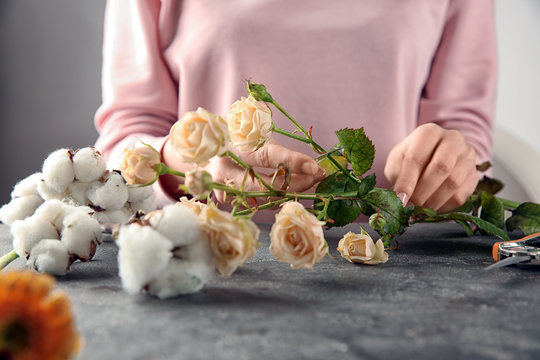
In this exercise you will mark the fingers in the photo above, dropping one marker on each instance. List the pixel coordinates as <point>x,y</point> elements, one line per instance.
<point>433,167</point>
<point>225,170</point>
<point>272,154</point>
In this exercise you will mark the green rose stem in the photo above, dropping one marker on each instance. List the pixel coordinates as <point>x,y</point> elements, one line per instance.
<point>509,204</point>
<point>163,169</point>
<point>247,167</point>
<point>7,259</point>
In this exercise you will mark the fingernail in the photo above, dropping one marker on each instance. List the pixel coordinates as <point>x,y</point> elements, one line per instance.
<point>403,197</point>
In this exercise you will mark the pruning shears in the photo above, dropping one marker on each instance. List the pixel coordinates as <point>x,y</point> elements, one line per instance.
<point>525,251</point>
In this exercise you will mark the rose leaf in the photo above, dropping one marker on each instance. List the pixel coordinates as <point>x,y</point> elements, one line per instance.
<point>525,217</point>
<point>366,185</point>
<point>358,149</point>
<point>389,207</point>
<point>342,212</point>
<point>492,210</point>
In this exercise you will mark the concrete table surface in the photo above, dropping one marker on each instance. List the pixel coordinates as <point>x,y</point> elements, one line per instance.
<point>431,300</point>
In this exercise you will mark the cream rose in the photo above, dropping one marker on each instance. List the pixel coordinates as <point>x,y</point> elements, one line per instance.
<point>198,136</point>
<point>196,206</point>
<point>250,123</point>
<point>232,240</point>
<point>139,165</point>
<point>360,248</point>
<point>297,237</point>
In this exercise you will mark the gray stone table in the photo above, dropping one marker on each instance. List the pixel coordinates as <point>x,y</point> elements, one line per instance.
<point>431,300</point>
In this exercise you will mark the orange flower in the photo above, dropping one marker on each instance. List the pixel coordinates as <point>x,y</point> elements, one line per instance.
<point>35,322</point>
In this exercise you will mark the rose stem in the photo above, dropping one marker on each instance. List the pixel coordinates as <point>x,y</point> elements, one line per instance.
<point>164,169</point>
<point>247,167</point>
<point>323,212</point>
<point>8,258</point>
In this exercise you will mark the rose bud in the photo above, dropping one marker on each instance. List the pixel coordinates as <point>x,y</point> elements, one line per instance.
<point>360,248</point>
<point>198,182</point>
<point>250,123</point>
<point>140,165</point>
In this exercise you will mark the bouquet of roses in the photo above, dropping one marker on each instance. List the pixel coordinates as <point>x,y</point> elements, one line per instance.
<point>175,250</point>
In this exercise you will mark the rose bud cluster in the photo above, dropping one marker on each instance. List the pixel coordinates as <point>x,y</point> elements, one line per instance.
<point>80,178</point>
<point>56,235</point>
<point>165,253</point>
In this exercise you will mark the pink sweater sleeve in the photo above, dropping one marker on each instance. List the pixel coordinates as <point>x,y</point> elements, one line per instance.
<point>460,91</point>
<point>140,97</point>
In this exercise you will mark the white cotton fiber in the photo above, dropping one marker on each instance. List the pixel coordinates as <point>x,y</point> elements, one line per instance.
<point>196,251</point>
<point>50,256</point>
<point>88,165</point>
<point>81,234</point>
<point>27,186</point>
<point>180,277</point>
<point>179,224</point>
<point>111,194</point>
<point>139,193</point>
<point>147,205</point>
<point>19,208</point>
<point>58,170</point>
<point>142,254</point>
<point>53,211</point>
<point>27,233</point>
<point>48,193</point>
<point>77,191</point>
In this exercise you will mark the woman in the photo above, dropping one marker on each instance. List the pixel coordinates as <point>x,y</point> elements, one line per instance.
<point>419,76</point>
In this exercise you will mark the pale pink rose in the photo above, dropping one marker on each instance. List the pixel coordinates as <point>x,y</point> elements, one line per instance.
<point>140,165</point>
<point>198,136</point>
<point>198,182</point>
<point>297,237</point>
<point>232,240</point>
<point>250,123</point>
<point>360,248</point>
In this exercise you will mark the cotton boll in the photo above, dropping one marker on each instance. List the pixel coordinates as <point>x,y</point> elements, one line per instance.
<point>147,205</point>
<point>111,194</point>
<point>27,233</point>
<point>58,170</point>
<point>179,224</point>
<point>88,165</point>
<point>119,216</point>
<point>27,186</point>
<point>197,251</point>
<point>53,211</point>
<point>77,192</point>
<point>48,193</point>
<point>50,256</point>
<point>180,277</point>
<point>81,234</point>
<point>142,254</point>
<point>19,208</point>
<point>139,193</point>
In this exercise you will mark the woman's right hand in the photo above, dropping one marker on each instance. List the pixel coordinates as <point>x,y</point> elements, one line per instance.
<point>305,172</point>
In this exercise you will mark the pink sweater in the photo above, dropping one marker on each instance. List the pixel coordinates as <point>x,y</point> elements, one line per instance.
<point>385,65</point>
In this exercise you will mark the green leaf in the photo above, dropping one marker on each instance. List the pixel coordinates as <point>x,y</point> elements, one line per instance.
<point>487,184</point>
<point>483,225</point>
<point>466,227</point>
<point>389,207</point>
<point>492,210</point>
<point>358,149</point>
<point>329,166</point>
<point>366,185</point>
<point>525,217</point>
<point>342,212</point>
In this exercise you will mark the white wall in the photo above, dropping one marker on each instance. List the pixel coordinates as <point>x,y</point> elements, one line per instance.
<point>517,138</point>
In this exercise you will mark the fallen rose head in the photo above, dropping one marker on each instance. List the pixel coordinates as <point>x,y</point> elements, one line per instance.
<point>198,182</point>
<point>140,165</point>
<point>198,136</point>
<point>250,123</point>
<point>297,237</point>
<point>360,248</point>
<point>232,241</point>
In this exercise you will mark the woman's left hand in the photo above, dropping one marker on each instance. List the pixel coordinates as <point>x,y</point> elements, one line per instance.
<point>433,167</point>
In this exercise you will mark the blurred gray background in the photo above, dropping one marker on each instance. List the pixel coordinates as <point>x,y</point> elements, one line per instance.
<point>50,87</point>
